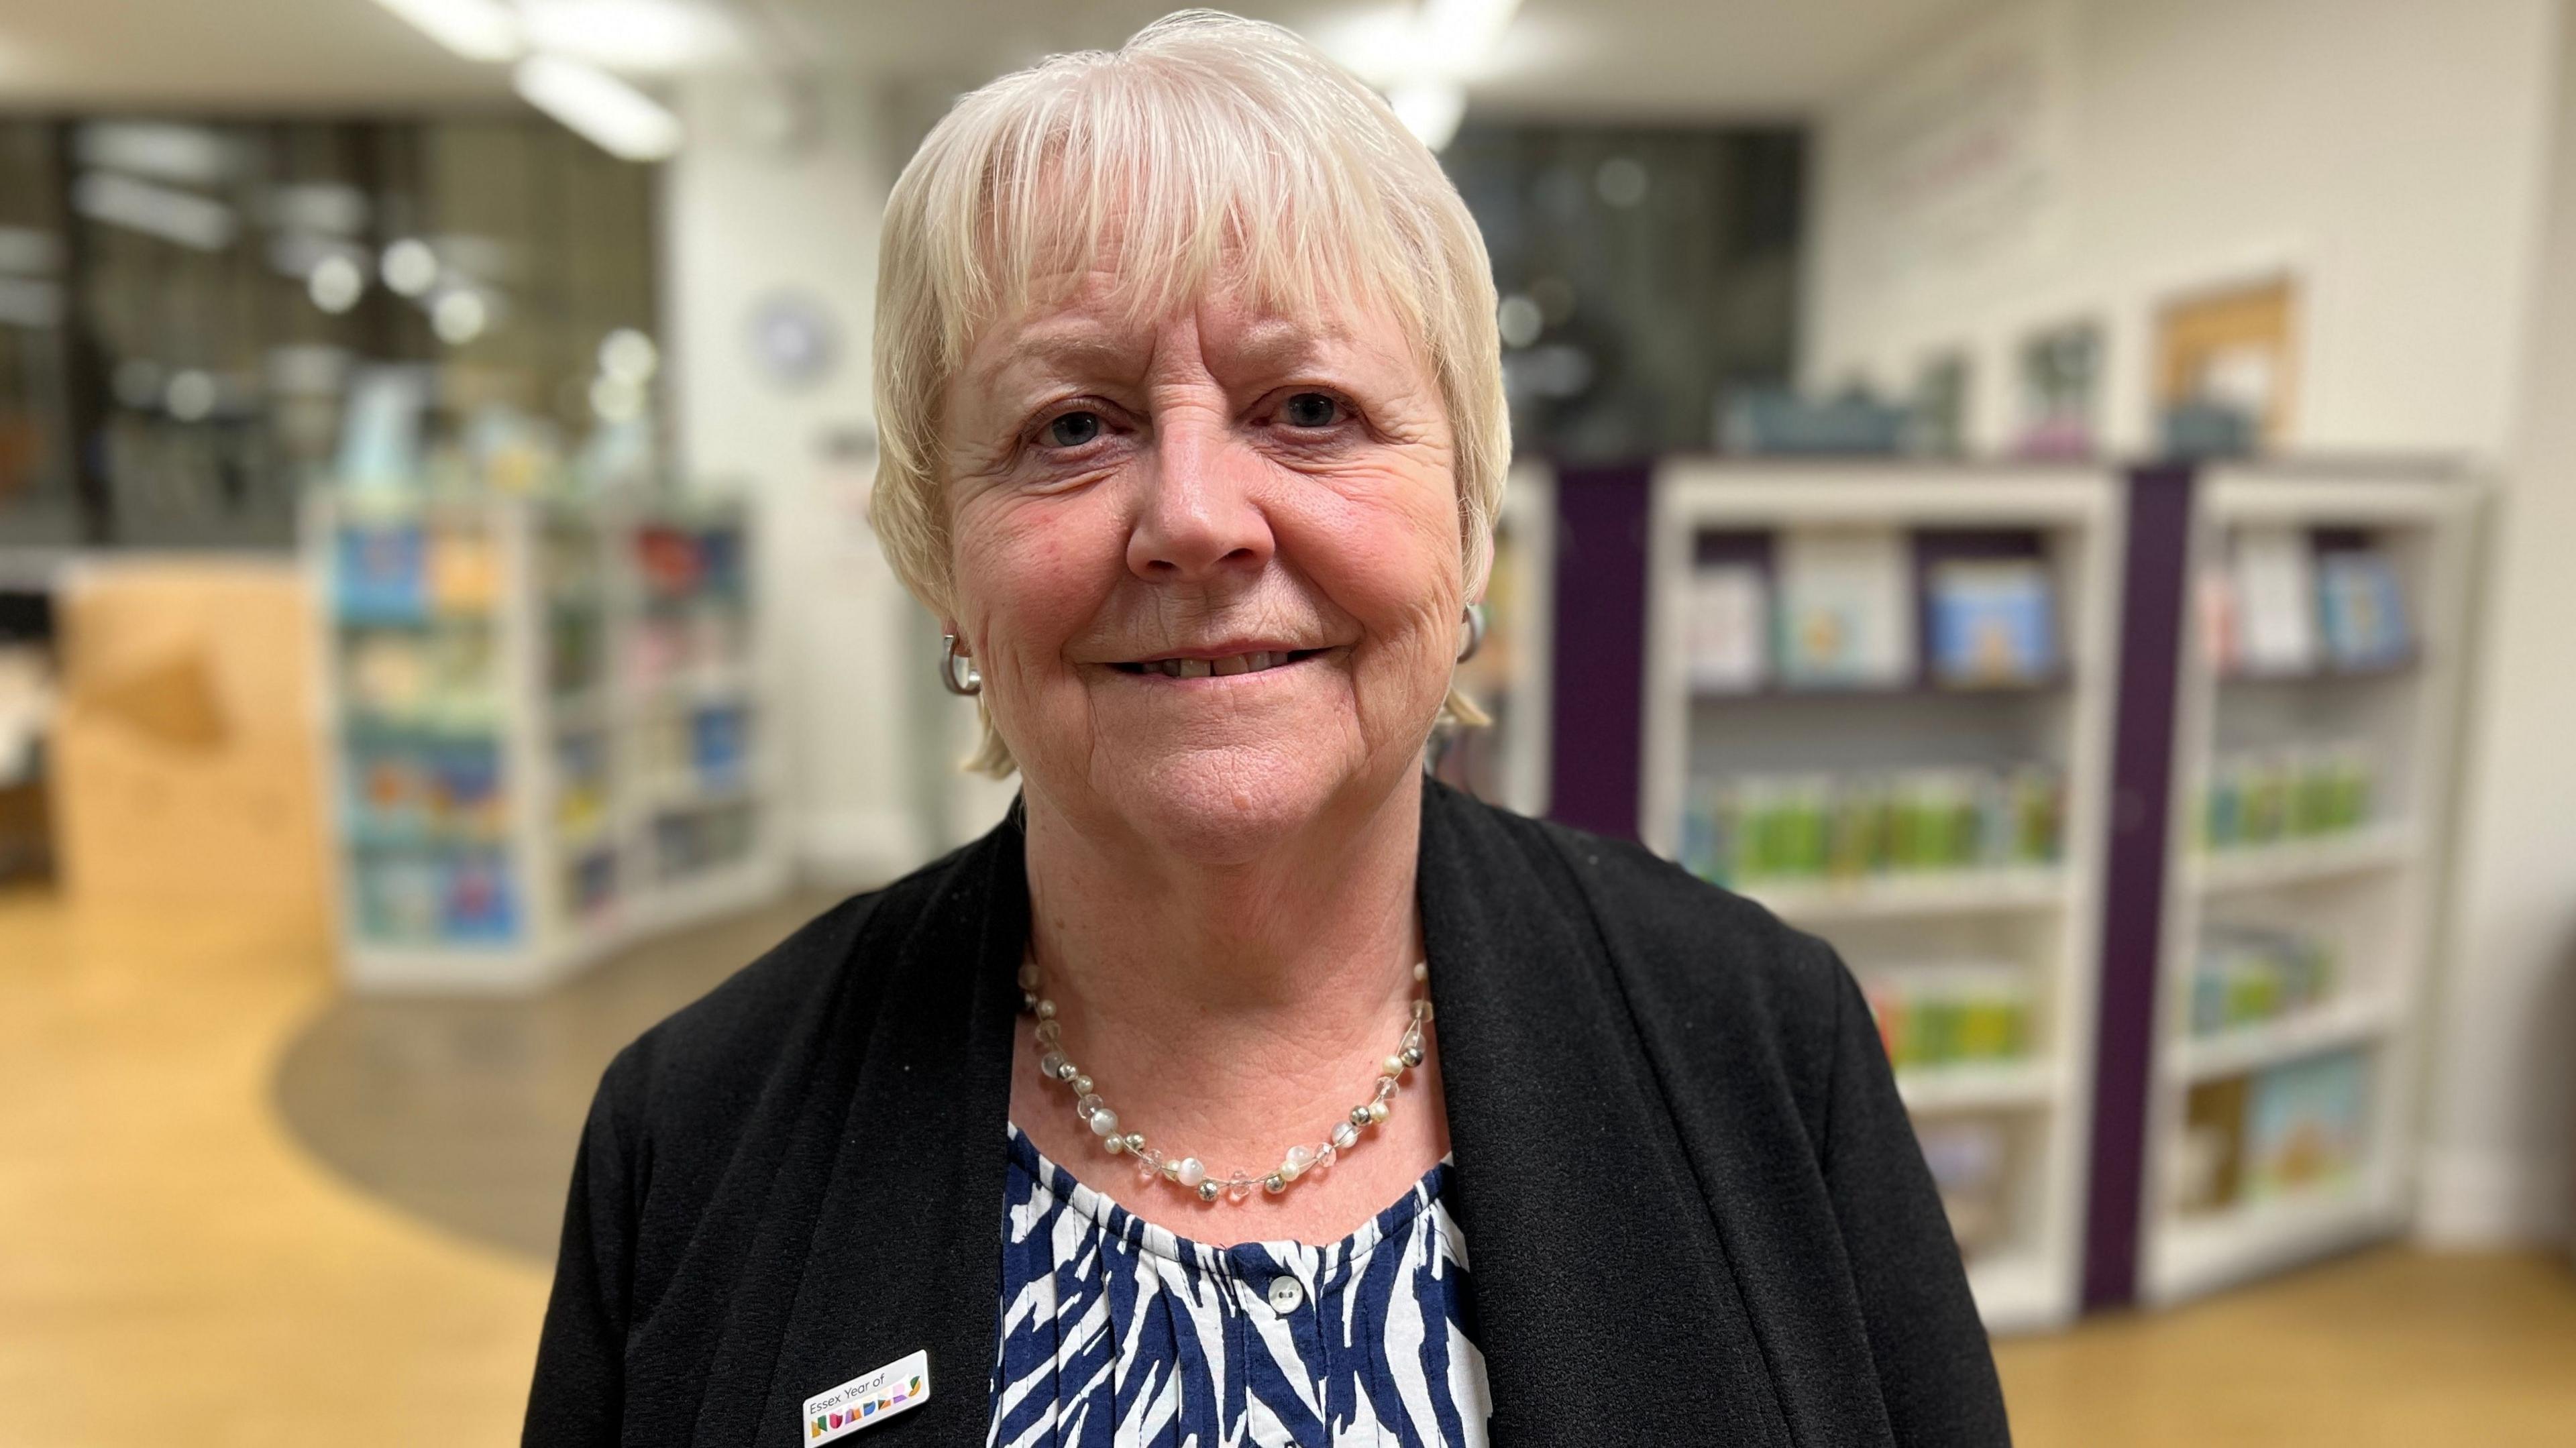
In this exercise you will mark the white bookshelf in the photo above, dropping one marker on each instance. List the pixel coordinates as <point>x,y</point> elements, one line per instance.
<point>2369,891</point>
<point>2041,920</point>
<point>674,823</point>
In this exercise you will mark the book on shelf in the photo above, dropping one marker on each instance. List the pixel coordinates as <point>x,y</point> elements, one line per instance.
<point>464,570</point>
<point>2270,797</point>
<point>2248,975</point>
<point>459,897</point>
<point>2361,610</point>
<point>1727,630</point>
<point>2305,1125</point>
<point>1846,607</point>
<point>2209,1167</point>
<point>591,881</point>
<point>1811,827</point>
<point>380,572</point>
<point>2274,571</point>
<point>2293,1129</point>
<point>1993,621</point>
<point>2221,630</point>
<point>1932,1015</point>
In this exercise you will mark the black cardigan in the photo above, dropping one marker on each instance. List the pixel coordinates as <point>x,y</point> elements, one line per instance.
<point>1695,1206</point>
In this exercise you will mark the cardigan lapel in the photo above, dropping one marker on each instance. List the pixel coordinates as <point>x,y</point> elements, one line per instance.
<point>1605,1306</point>
<point>904,1253</point>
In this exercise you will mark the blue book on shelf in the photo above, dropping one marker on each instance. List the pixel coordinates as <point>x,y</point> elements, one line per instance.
<point>2305,1122</point>
<point>1993,622</point>
<point>382,574</point>
<point>2361,609</point>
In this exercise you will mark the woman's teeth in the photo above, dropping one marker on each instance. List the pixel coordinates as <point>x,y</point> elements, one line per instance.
<point>1201,668</point>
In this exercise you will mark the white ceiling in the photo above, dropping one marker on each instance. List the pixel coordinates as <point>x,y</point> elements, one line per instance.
<point>1608,58</point>
<point>257,55</point>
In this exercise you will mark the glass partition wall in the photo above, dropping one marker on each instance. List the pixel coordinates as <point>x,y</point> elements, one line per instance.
<point>185,307</point>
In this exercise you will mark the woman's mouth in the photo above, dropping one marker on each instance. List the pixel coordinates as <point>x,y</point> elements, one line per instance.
<point>1196,668</point>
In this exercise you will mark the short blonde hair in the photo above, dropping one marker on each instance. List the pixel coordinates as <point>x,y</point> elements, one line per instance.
<point>1223,151</point>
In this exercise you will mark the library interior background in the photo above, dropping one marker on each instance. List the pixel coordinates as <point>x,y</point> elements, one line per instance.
<point>2070,500</point>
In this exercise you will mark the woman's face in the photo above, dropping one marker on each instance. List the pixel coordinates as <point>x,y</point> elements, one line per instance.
<point>1209,566</point>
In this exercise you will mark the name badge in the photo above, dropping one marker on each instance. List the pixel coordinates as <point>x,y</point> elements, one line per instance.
<point>868,1398</point>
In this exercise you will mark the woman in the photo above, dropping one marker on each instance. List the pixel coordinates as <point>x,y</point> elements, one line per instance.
<point>1135,1121</point>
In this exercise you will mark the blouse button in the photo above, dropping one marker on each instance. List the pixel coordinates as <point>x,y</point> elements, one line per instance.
<point>1285,1294</point>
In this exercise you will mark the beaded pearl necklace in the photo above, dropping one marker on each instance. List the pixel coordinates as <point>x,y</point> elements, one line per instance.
<point>1188,1172</point>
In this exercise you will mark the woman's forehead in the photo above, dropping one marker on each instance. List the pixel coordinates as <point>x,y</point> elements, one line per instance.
<point>1093,325</point>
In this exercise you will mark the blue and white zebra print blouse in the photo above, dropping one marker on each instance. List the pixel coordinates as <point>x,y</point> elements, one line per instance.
<point>1116,1333</point>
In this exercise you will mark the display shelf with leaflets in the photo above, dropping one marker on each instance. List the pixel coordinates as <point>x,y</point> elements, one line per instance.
<point>1877,698</point>
<point>1510,677</point>
<point>547,736</point>
<point>2312,742</point>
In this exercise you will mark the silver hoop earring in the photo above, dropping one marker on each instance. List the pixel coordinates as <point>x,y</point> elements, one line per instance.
<point>957,673</point>
<point>1475,632</point>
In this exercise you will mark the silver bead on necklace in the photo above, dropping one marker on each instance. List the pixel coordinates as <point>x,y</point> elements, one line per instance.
<point>1188,1172</point>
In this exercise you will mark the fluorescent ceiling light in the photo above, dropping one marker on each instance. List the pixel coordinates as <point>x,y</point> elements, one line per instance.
<point>1430,109</point>
<point>486,30</point>
<point>1456,34</point>
<point>628,35</point>
<point>158,151</point>
<point>612,115</point>
<point>179,216</point>
<point>331,208</point>
<point>1422,55</point>
<point>1437,39</point>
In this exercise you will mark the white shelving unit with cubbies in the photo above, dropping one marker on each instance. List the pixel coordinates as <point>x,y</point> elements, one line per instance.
<point>1878,698</point>
<point>546,737</point>
<point>2313,738</point>
<point>1510,678</point>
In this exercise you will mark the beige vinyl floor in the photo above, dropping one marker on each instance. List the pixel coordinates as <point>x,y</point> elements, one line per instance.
<point>239,1208</point>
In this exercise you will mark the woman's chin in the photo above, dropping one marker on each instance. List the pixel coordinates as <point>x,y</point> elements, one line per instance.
<point>1220,805</point>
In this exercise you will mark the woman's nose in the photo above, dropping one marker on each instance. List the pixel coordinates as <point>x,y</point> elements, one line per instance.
<point>1199,518</point>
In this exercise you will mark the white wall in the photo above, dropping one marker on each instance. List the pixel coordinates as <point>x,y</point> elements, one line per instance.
<point>746,219</point>
<point>2387,150</point>
<point>2505,1116</point>
<point>2396,156</point>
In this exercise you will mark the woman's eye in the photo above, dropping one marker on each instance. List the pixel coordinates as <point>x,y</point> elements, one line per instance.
<point>1312,409</point>
<point>1073,429</point>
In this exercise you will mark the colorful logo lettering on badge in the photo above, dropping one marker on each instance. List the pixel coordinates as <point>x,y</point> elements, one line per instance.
<point>819,1426</point>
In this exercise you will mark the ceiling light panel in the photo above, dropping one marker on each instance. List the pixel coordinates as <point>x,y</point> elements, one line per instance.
<point>609,113</point>
<point>649,36</point>
<point>484,30</point>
